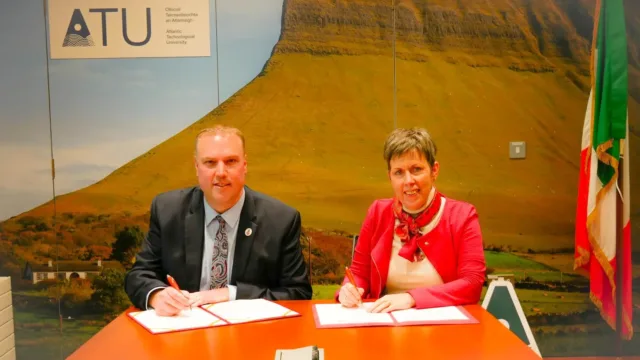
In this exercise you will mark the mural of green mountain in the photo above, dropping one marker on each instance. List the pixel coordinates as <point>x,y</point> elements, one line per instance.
<point>477,74</point>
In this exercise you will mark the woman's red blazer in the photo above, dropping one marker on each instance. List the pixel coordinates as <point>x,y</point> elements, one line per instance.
<point>454,247</point>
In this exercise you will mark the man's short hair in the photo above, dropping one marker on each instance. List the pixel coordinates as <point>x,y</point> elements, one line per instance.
<point>220,130</point>
<point>401,141</point>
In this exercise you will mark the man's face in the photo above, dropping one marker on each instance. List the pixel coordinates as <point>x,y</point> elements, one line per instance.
<point>221,166</point>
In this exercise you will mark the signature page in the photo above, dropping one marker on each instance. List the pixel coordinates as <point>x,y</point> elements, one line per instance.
<point>441,315</point>
<point>195,318</point>
<point>336,315</point>
<point>241,311</point>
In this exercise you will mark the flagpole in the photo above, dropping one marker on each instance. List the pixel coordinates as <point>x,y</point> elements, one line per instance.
<point>619,251</point>
<point>45,9</point>
<point>215,10</point>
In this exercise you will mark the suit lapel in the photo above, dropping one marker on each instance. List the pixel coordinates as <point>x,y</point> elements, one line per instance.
<point>245,236</point>
<point>194,240</point>
<point>381,252</point>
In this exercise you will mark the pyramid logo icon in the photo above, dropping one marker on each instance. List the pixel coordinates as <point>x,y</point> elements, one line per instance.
<point>78,34</point>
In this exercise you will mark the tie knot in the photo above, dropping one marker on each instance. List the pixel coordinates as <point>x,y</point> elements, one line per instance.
<point>220,220</point>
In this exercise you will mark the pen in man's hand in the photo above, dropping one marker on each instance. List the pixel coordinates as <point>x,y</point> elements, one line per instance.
<point>174,285</point>
<point>352,280</point>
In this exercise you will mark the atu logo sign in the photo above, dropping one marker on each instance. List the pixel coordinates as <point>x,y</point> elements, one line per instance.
<point>79,34</point>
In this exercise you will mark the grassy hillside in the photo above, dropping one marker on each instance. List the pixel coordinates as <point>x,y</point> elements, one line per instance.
<point>476,74</point>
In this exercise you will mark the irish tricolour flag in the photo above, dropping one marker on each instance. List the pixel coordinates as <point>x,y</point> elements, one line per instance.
<point>605,151</point>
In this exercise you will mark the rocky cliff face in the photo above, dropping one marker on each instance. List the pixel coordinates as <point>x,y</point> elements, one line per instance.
<point>529,35</point>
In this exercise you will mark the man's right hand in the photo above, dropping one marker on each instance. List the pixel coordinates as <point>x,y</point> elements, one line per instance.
<point>350,296</point>
<point>169,301</point>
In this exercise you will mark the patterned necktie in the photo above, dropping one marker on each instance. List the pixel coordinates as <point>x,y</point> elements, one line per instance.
<point>219,263</point>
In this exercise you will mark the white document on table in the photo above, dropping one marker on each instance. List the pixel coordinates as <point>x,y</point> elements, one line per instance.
<point>241,311</point>
<point>336,315</point>
<point>195,318</point>
<point>441,314</point>
<point>331,315</point>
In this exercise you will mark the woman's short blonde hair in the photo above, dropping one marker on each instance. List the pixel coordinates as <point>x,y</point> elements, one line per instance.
<point>401,141</point>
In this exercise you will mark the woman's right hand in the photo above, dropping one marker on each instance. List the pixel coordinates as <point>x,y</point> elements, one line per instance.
<point>350,296</point>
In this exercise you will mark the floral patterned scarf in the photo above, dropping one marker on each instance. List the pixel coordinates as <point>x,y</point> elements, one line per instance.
<point>408,227</point>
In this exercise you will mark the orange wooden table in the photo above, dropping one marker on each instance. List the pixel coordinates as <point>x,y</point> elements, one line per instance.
<point>123,338</point>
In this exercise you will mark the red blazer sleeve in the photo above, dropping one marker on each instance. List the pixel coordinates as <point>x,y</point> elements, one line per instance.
<point>361,263</point>
<point>471,266</point>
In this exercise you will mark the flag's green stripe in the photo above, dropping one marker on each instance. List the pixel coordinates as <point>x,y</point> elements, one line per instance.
<point>611,82</point>
<point>598,130</point>
<point>616,38</point>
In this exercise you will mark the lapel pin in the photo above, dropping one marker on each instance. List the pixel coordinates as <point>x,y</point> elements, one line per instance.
<point>247,232</point>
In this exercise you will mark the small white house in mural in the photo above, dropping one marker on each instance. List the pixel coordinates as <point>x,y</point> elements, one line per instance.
<point>66,269</point>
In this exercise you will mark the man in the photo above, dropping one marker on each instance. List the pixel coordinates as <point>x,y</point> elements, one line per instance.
<point>220,241</point>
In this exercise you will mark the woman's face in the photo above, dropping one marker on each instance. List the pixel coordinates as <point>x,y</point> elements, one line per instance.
<point>412,179</point>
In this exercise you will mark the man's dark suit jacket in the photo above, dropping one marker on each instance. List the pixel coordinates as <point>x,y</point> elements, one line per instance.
<point>267,264</point>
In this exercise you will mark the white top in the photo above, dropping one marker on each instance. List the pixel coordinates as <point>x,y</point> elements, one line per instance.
<point>405,275</point>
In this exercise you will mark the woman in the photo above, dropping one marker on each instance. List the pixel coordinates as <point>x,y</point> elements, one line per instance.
<point>419,249</point>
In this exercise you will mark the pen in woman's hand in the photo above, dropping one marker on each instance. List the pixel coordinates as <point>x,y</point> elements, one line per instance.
<point>352,280</point>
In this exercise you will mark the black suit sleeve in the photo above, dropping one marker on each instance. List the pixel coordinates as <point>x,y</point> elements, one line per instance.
<point>147,271</point>
<point>294,280</point>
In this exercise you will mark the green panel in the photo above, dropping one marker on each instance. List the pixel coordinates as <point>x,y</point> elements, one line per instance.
<point>501,306</point>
